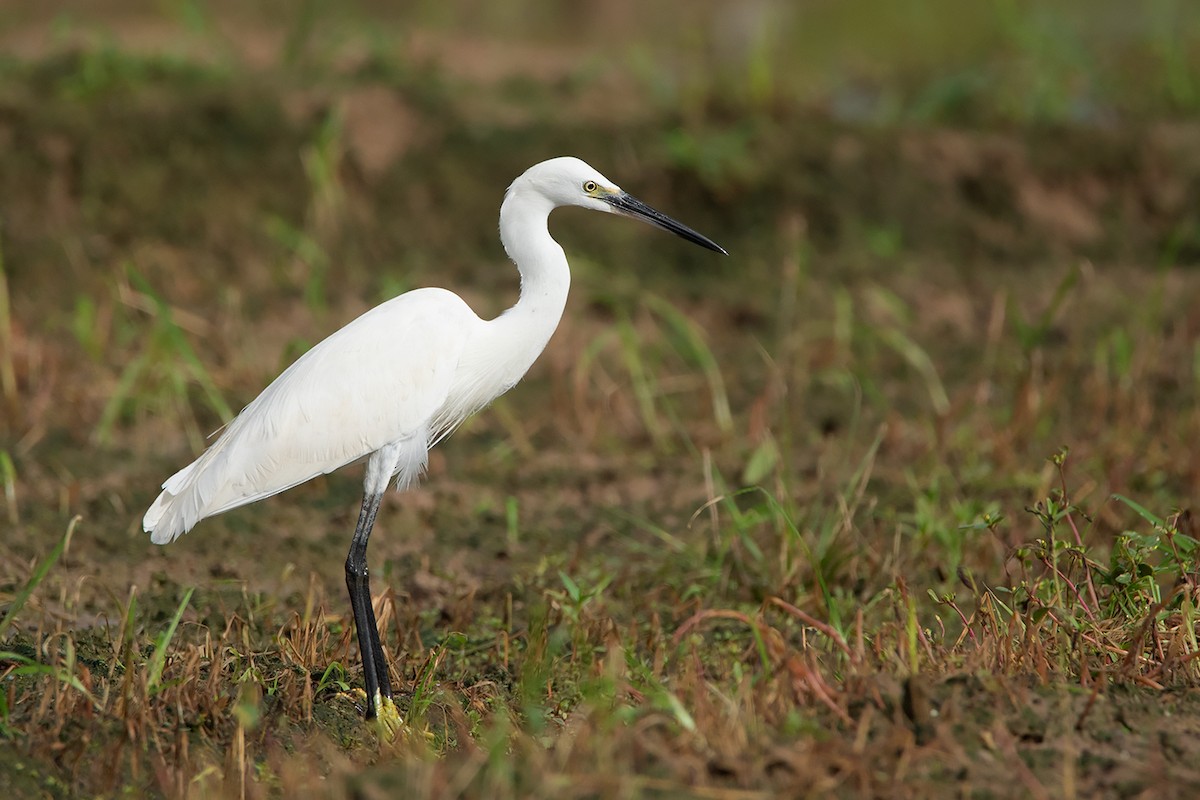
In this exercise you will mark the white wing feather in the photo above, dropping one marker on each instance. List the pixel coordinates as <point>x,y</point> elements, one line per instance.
<point>384,378</point>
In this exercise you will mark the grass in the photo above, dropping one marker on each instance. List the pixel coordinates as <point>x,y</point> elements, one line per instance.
<point>894,501</point>
<point>162,373</point>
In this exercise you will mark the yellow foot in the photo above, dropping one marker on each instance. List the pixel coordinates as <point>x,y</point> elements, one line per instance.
<point>356,696</point>
<point>388,723</point>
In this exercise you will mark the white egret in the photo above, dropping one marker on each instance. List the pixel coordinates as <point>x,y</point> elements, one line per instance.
<point>393,383</point>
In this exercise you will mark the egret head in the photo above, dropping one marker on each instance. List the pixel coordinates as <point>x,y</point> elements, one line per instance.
<point>567,181</point>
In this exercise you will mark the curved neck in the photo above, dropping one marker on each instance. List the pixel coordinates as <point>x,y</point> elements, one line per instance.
<point>545,276</point>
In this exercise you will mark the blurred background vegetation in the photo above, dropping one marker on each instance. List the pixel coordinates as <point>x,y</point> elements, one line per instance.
<point>1001,61</point>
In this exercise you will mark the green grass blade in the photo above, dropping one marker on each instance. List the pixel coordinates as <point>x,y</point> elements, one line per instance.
<point>919,359</point>
<point>8,472</point>
<point>39,574</point>
<point>1141,511</point>
<point>8,373</point>
<point>116,401</point>
<point>644,388</point>
<point>689,335</point>
<point>173,336</point>
<point>158,659</point>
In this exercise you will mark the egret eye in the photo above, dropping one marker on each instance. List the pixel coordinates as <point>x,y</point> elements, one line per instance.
<point>589,186</point>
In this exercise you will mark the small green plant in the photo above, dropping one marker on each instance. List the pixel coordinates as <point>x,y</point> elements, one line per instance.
<point>1140,564</point>
<point>573,600</point>
<point>21,665</point>
<point>948,524</point>
<point>334,677</point>
<point>425,688</point>
<point>1075,611</point>
<point>161,373</point>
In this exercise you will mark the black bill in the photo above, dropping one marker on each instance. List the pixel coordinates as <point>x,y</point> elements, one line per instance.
<point>630,206</point>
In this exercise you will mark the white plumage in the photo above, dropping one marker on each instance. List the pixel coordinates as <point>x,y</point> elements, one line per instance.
<point>392,376</point>
<point>394,382</point>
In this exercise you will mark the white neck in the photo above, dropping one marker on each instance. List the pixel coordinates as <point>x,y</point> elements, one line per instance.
<point>545,277</point>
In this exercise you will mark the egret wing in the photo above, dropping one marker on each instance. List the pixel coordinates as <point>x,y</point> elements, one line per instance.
<point>379,380</point>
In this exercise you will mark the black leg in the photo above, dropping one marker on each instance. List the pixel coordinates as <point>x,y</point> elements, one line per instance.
<point>375,668</point>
